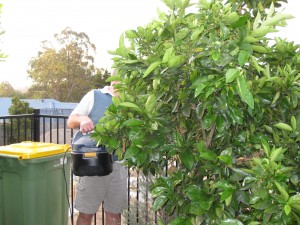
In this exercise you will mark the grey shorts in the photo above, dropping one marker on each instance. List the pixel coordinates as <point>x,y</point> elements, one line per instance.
<point>110,189</point>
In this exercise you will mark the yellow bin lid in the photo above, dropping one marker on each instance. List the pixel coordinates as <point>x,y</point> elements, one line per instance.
<point>30,150</point>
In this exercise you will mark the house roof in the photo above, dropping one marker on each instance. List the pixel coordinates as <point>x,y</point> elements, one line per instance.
<point>50,104</point>
<point>5,103</point>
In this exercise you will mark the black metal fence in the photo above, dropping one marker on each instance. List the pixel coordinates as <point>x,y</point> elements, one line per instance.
<point>53,129</point>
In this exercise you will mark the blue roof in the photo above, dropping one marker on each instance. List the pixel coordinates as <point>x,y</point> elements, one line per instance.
<point>5,103</point>
<point>49,104</point>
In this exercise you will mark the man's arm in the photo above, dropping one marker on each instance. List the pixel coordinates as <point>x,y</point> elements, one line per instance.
<point>79,116</point>
<point>85,124</point>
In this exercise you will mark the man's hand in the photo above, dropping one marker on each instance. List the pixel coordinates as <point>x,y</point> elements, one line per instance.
<point>86,125</point>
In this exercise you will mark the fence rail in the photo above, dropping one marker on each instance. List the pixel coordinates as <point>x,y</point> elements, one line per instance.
<point>53,129</point>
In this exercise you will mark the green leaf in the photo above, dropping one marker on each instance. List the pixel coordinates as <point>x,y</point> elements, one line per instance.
<point>132,122</point>
<point>266,147</point>
<point>131,105</point>
<point>208,120</point>
<point>114,78</point>
<point>259,49</point>
<point>168,54</point>
<point>276,19</point>
<point>277,95</point>
<point>251,39</point>
<point>182,33</point>
<point>196,208</point>
<point>141,158</point>
<point>187,159</point>
<point>226,194</point>
<point>132,151</point>
<point>231,74</point>
<point>294,123</point>
<point>216,55</point>
<point>198,196</point>
<point>294,202</point>
<point>287,209</point>
<point>256,21</point>
<point>243,57</point>
<point>150,103</point>
<point>152,67</point>
<point>226,159</point>
<point>241,22</point>
<point>159,202</point>
<point>131,34</point>
<point>283,192</point>
<point>208,155</point>
<point>223,184</point>
<point>158,191</point>
<point>283,126</point>
<point>113,143</point>
<point>130,61</point>
<point>272,209</point>
<point>260,32</point>
<point>176,61</point>
<point>122,51</point>
<point>276,153</point>
<point>199,89</point>
<point>196,33</point>
<point>255,64</point>
<point>221,123</point>
<point>244,92</point>
<point>236,115</point>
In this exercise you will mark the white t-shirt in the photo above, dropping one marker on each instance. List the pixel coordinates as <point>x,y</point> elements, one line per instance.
<point>85,105</point>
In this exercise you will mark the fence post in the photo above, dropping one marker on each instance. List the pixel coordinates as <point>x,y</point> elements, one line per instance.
<point>36,125</point>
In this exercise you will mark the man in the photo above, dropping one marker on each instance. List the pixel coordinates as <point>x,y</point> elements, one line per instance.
<point>93,190</point>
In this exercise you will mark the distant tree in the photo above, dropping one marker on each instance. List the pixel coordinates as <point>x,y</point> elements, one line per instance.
<point>2,55</point>
<point>36,92</point>
<point>6,90</point>
<point>65,72</point>
<point>20,127</point>
<point>19,107</point>
<point>99,80</point>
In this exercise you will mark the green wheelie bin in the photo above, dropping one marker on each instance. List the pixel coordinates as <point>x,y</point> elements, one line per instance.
<point>34,184</point>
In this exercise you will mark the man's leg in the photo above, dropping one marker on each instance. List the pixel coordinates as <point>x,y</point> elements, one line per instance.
<point>112,219</point>
<point>90,193</point>
<point>84,219</point>
<point>116,196</point>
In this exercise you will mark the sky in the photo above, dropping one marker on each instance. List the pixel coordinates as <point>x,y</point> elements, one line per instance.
<point>28,23</point>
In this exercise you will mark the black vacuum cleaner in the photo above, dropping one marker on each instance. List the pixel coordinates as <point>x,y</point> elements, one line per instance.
<point>89,159</point>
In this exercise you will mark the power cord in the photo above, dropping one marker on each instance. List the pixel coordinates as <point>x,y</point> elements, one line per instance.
<point>66,182</point>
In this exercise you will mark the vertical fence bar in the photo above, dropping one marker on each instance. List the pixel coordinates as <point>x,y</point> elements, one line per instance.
<point>137,196</point>
<point>11,131</point>
<point>146,199</point>
<point>18,129</point>
<point>36,125</point>
<point>44,129</point>
<point>51,129</point>
<point>65,133</point>
<point>128,197</point>
<point>57,130</point>
<point>25,128</point>
<point>4,131</point>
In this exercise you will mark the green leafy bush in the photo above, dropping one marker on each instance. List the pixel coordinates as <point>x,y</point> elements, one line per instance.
<point>209,97</point>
